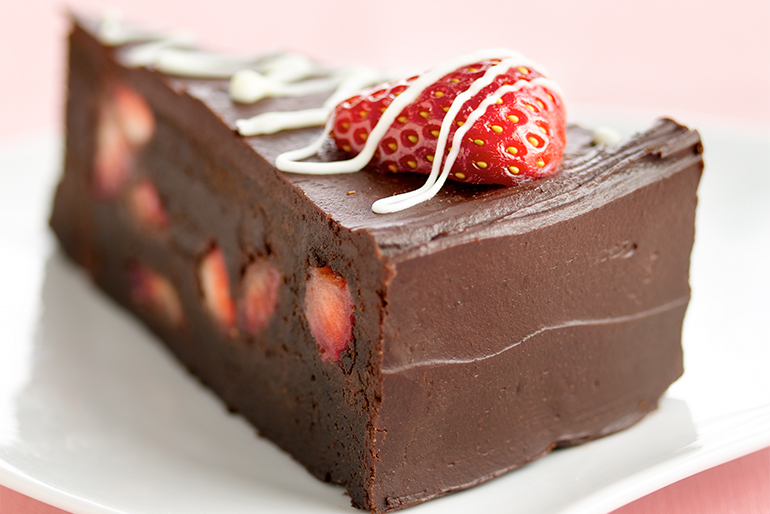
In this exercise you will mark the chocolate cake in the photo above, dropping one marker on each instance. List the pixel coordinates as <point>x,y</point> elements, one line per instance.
<point>405,355</point>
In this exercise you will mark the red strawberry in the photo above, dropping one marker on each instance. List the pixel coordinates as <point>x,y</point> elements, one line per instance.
<point>146,206</point>
<point>125,123</point>
<point>113,159</point>
<point>260,293</point>
<point>329,312</point>
<point>133,115</point>
<point>215,286</point>
<point>520,137</point>
<point>155,293</point>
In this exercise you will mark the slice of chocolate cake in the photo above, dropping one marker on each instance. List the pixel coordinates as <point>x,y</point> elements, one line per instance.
<point>403,355</point>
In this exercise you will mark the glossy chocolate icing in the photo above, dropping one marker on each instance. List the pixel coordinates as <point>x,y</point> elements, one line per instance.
<point>491,324</point>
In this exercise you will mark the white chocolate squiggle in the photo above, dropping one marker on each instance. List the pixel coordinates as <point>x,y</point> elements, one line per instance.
<point>661,309</point>
<point>285,75</point>
<point>440,169</point>
<point>606,136</point>
<point>348,82</point>
<point>249,86</point>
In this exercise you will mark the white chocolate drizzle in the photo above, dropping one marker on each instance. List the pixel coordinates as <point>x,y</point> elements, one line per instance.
<point>292,161</point>
<point>606,137</point>
<point>250,86</point>
<point>347,82</point>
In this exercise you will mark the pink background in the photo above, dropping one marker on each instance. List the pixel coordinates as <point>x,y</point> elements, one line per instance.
<point>676,57</point>
<point>689,59</point>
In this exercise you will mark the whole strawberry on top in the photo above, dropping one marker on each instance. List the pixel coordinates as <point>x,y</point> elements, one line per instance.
<point>518,137</point>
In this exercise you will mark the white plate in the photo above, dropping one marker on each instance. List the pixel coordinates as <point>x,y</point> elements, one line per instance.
<point>95,417</point>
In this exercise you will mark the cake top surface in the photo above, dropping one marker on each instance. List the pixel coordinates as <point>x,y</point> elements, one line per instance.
<point>588,176</point>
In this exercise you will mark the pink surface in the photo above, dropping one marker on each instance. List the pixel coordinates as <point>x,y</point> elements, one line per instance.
<point>674,56</point>
<point>741,486</point>
<point>738,487</point>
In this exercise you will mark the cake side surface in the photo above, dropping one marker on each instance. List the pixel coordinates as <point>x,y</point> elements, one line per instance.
<point>571,332</point>
<point>488,325</point>
<point>276,378</point>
